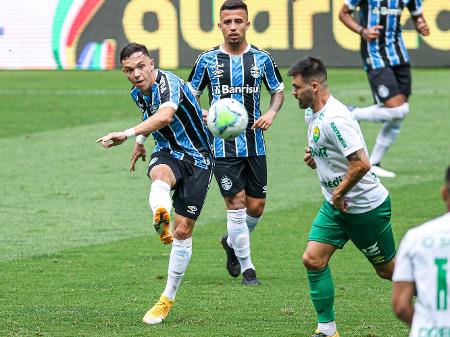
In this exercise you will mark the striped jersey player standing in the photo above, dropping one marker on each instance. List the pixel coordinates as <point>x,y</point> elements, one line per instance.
<point>182,160</point>
<point>237,69</point>
<point>422,270</point>
<point>387,64</point>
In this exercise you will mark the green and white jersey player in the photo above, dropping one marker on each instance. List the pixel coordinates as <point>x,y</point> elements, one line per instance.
<point>357,207</point>
<point>422,270</point>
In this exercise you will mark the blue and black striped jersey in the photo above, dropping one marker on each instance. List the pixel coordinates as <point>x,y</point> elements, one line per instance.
<point>186,137</point>
<point>389,49</point>
<point>238,77</point>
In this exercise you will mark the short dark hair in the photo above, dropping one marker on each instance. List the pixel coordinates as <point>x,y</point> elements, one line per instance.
<point>132,48</point>
<point>310,68</point>
<point>233,4</point>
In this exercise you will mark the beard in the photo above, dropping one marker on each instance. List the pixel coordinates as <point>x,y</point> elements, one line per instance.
<point>306,100</point>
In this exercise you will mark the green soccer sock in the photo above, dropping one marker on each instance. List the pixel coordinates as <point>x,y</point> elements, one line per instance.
<point>321,290</point>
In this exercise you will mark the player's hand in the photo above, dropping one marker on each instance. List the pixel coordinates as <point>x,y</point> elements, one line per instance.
<point>422,26</point>
<point>339,202</point>
<point>138,152</point>
<point>264,121</point>
<point>112,139</point>
<point>204,114</point>
<point>308,159</point>
<point>371,33</point>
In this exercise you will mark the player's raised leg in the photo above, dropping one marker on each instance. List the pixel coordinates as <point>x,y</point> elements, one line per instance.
<point>163,179</point>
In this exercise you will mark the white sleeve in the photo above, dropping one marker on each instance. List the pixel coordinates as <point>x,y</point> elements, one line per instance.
<point>344,135</point>
<point>404,269</point>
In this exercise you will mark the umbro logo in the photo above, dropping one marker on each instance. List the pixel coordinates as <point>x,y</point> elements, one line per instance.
<point>192,209</point>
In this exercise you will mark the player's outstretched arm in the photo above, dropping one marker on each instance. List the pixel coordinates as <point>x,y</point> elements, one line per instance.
<point>402,300</point>
<point>358,166</point>
<point>266,120</point>
<point>159,120</point>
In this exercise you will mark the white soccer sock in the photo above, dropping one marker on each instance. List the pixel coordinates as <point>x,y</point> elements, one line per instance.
<point>239,237</point>
<point>328,328</point>
<point>160,196</point>
<point>251,222</point>
<point>385,139</point>
<point>379,113</point>
<point>180,255</point>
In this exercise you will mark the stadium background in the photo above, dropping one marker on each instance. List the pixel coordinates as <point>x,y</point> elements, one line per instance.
<point>78,256</point>
<point>86,34</point>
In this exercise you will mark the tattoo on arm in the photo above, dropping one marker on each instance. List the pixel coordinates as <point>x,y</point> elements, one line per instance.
<point>276,101</point>
<point>355,156</point>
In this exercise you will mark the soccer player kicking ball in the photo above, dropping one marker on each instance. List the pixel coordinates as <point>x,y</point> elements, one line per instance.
<point>238,69</point>
<point>356,206</point>
<point>422,269</point>
<point>181,160</point>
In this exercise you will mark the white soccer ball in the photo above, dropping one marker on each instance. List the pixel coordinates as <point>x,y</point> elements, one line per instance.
<point>227,118</point>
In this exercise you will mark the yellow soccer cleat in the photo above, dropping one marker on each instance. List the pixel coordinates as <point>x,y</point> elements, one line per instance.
<point>161,222</point>
<point>321,334</point>
<point>159,311</point>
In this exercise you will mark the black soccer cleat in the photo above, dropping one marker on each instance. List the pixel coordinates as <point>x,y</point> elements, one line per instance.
<point>249,278</point>
<point>233,266</point>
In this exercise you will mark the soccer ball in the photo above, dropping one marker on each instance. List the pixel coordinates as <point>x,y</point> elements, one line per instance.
<point>227,118</point>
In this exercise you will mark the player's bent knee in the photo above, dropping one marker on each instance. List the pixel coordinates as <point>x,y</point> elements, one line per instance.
<point>312,262</point>
<point>385,271</point>
<point>182,231</point>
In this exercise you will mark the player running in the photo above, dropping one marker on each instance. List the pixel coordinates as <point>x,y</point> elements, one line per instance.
<point>237,69</point>
<point>357,207</point>
<point>422,270</point>
<point>387,64</point>
<point>181,160</point>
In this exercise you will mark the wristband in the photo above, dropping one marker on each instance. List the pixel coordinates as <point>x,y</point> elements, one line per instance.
<point>141,139</point>
<point>130,132</point>
<point>361,31</point>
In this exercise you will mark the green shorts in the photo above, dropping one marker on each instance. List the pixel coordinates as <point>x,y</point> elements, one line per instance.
<point>371,232</point>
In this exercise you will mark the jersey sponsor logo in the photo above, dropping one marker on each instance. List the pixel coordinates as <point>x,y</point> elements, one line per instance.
<point>255,71</point>
<point>331,183</point>
<point>320,152</point>
<point>154,160</point>
<point>192,209</point>
<point>338,135</point>
<point>428,242</point>
<point>226,183</point>
<point>371,250</point>
<point>217,70</point>
<point>162,85</point>
<point>228,89</point>
<point>316,134</point>
<point>383,91</point>
<point>387,11</point>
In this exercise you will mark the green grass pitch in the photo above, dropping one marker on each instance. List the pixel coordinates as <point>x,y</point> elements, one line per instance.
<point>78,256</point>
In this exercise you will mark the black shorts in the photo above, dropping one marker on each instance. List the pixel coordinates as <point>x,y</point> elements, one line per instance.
<point>191,186</point>
<point>388,82</point>
<point>234,174</point>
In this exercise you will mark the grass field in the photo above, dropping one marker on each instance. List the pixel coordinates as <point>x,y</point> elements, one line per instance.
<point>78,256</point>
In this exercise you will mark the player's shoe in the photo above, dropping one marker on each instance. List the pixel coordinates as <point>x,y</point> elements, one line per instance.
<point>381,172</point>
<point>321,334</point>
<point>159,311</point>
<point>233,266</point>
<point>161,222</point>
<point>249,278</point>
